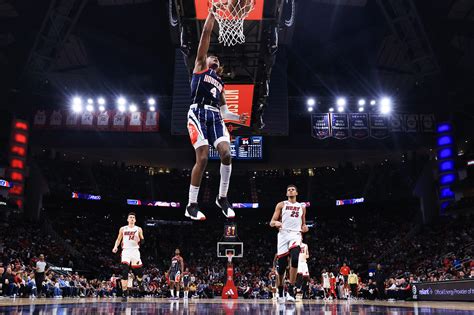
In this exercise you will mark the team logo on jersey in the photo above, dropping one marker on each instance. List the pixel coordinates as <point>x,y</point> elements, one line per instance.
<point>211,80</point>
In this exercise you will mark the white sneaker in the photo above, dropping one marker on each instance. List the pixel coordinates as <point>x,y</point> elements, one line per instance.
<point>225,206</point>
<point>193,212</point>
<point>289,298</point>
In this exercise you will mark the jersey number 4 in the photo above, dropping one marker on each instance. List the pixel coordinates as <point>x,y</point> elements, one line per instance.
<point>295,214</point>
<point>214,92</point>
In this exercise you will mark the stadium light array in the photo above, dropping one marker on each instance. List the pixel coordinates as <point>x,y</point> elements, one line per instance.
<point>311,102</point>
<point>151,101</point>
<point>90,101</point>
<point>361,109</point>
<point>102,108</point>
<point>152,108</point>
<point>310,109</point>
<point>361,102</point>
<point>77,104</point>
<point>373,102</point>
<point>331,109</point>
<point>122,108</point>
<point>385,105</point>
<point>121,101</point>
<point>90,108</point>
<point>133,108</point>
<point>101,101</point>
<point>341,102</point>
<point>340,109</point>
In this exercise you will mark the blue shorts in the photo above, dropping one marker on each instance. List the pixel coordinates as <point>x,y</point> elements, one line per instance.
<point>206,126</point>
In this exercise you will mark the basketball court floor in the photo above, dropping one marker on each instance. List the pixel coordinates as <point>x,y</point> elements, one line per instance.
<point>217,306</point>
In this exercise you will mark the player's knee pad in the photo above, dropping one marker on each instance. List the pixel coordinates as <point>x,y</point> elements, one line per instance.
<point>138,272</point>
<point>282,264</point>
<point>124,271</point>
<point>295,255</point>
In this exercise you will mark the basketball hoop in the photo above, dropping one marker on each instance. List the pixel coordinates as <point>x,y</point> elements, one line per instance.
<point>230,15</point>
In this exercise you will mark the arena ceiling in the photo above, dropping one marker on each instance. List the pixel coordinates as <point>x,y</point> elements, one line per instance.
<point>422,55</point>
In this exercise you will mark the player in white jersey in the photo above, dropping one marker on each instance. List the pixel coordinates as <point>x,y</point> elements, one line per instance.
<point>289,219</point>
<point>303,271</point>
<point>130,236</point>
<point>326,283</point>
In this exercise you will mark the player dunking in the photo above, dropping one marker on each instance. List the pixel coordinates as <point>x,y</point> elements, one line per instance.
<point>130,236</point>
<point>206,125</point>
<point>289,219</point>
<point>175,272</point>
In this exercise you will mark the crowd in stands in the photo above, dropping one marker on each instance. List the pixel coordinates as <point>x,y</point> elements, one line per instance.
<point>81,241</point>
<point>438,252</point>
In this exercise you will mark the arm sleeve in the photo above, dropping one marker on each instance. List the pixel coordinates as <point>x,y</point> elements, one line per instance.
<point>227,114</point>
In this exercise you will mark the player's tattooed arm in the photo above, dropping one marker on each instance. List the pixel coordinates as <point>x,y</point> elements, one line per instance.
<point>276,216</point>
<point>117,242</point>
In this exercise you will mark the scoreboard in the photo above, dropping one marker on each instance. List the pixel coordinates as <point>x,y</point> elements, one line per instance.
<point>242,148</point>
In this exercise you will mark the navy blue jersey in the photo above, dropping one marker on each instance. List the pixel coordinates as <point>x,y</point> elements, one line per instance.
<point>206,88</point>
<point>176,264</point>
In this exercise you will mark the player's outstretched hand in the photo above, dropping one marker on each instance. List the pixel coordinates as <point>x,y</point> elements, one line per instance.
<point>304,228</point>
<point>114,250</point>
<point>243,118</point>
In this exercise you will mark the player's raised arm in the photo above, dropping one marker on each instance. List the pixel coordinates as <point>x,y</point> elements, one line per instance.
<point>119,239</point>
<point>200,63</point>
<point>276,216</point>
<point>304,228</point>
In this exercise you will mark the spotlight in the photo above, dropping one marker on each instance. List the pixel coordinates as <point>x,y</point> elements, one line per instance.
<point>133,108</point>
<point>310,109</point>
<point>77,104</point>
<point>101,101</point>
<point>77,101</point>
<point>90,101</point>
<point>90,108</point>
<point>331,109</point>
<point>341,102</point>
<point>340,109</point>
<point>102,108</point>
<point>122,108</point>
<point>121,101</point>
<point>77,108</point>
<point>151,101</point>
<point>311,101</point>
<point>373,102</point>
<point>152,108</point>
<point>361,102</point>
<point>361,109</point>
<point>385,105</point>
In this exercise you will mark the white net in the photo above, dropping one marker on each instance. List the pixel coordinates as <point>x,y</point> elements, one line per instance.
<point>230,15</point>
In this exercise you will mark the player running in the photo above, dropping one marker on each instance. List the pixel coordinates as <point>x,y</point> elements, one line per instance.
<point>289,219</point>
<point>303,271</point>
<point>130,236</point>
